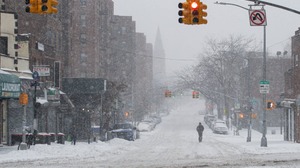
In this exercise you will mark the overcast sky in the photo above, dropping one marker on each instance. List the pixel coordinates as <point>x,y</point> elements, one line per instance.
<point>186,42</point>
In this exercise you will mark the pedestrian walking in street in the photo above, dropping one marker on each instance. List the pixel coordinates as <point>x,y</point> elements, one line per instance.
<point>200,130</point>
<point>74,138</point>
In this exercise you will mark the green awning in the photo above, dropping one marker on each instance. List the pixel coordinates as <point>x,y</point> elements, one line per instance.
<point>10,85</point>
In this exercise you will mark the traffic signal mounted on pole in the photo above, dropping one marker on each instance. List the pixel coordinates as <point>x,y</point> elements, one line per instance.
<point>195,94</point>
<point>185,12</point>
<point>195,11</point>
<point>23,99</point>
<point>41,6</point>
<point>168,93</point>
<point>192,12</point>
<point>271,105</point>
<point>36,6</point>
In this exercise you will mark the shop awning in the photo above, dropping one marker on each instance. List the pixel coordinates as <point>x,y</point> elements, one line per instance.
<point>10,85</point>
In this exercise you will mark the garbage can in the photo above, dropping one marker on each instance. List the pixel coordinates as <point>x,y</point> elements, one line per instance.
<point>61,138</point>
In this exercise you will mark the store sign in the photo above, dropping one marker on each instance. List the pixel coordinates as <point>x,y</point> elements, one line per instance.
<point>43,70</point>
<point>10,90</point>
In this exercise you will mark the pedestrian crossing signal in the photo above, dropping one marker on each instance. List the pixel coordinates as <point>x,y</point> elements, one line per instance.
<point>271,105</point>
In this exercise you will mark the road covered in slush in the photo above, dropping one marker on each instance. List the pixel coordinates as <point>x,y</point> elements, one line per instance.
<point>173,143</point>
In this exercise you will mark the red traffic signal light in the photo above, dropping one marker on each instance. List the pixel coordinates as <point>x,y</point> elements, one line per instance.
<point>195,94</point>
<point>194,10</point>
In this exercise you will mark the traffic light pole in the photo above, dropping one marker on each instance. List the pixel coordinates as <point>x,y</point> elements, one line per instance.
<point>264,139</point>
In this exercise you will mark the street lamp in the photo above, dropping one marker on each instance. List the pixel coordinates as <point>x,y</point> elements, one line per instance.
<point>263,139</point>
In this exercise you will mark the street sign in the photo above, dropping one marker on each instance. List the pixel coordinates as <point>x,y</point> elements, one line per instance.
<point>264,86</point>
<point>258,17</point>
<point>35,75</point>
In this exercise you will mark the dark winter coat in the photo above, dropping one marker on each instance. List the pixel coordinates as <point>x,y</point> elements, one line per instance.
<point>200,128</point>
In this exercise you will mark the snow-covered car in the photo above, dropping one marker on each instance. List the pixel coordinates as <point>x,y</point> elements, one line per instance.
<point>146,126</point>
<point>220,128</point>
<point>209,119</point>
<point>216,122</point>
<point>125,131</point>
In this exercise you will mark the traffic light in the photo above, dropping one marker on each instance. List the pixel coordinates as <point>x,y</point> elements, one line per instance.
<point>195,94</point>
<point>36,6</point>
<point>253,115</point>
<point>185,12</point>
<point>126,114</point>
<point>271,105</point>
<point>23,99</point>
<point>51,4</point>
<point>195,11</point>
<point>41,6</point>
<point>241,115</point>
<point>168,93</point>
<point>202,13</point>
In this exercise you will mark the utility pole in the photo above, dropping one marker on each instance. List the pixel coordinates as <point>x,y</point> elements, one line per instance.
<point>262,23</point>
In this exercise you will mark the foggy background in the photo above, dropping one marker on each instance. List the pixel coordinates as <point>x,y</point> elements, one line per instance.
<point>183,43</point>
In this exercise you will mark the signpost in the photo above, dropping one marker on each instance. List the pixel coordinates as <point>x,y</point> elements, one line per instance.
<point>257,17</point>
<point>264,87</point>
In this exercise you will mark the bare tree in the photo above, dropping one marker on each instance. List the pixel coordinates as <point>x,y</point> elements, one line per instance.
<point>217,74</point>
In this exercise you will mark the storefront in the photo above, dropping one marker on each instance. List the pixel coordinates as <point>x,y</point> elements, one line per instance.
<point>289,106</point>
<point>10,88</point>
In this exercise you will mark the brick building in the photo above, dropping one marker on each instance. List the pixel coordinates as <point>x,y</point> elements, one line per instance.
<point>291,100</point>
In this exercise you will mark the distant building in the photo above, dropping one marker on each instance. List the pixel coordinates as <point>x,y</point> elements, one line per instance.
<point>159,61</point>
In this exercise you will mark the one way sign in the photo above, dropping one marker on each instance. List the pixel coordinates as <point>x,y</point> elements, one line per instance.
<point>258,17</point>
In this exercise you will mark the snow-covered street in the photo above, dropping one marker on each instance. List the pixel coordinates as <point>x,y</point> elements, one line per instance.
<point>173,143</point>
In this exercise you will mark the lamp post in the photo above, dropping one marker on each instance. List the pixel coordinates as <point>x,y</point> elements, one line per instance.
<point>263,139</point>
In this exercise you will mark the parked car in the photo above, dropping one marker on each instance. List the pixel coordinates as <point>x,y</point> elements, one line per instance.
<point>125,131</point>
<point>220,128</point>
<point>209,119</point>
<point>146,126</point>
<point>217,121</point>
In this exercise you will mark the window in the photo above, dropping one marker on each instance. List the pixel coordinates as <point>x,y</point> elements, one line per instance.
<point>83,57</point>
<point>83,2</point>
<point>3,45</point>
<point>83,20</point>
<point>83,38</point>
<point>123,30</point>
